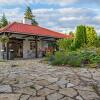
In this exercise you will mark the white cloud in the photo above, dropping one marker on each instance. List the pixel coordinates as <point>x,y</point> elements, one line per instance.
<point>66,19</point>
<point>12,14</point>
<point>59,19</point>
<point>27,2</point>
<point>60,2</point>
<point>15,2</point>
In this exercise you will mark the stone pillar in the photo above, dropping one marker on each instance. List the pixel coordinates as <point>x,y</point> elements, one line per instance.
<point>1,51</point>
<point>26,48</point>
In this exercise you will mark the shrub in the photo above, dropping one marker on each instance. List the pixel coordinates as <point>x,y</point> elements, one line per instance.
<point>86,56</point>
<point>96,59</point>
<point>98,51</point>
<point>74,59</point>
<point>58,58</point>
<point>48,56</point>
<point>65,44</point>
<point>70,58</point>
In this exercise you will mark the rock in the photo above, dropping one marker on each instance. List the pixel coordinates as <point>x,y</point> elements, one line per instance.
<point>5,88</point>
<point>38,87</point>
<point>38,81</point>
<point>68,92</point>
<point>54,96</point>
<point>84,88</point>
<point>53,87</point>
<point>67,98</point>
<point>24,97</point>
<point>70,85</point>
<point>45,92</point>
<point>79,98</point>
<point>87,95</point>
<point>36,98</point>
<point>42,82</point>
<point>73,79</point>
<point>52,79</point>
<point>25,90</point>
<point>62,83</point>
<point>9,96</point>
<point>84,72</point>
<point>1,78</point>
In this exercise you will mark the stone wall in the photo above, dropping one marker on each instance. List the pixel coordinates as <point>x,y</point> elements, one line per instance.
<point>26,48</point>
<point>0,50</point>
<point>27,53</point>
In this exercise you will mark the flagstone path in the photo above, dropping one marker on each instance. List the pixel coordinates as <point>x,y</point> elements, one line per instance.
<point>32,80</point>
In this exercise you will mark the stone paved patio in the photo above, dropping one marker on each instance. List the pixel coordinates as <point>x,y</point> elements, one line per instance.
<point>32,80</point>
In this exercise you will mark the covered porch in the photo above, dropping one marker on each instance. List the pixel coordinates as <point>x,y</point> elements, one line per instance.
<point>28,41</point>
<point>28,46</point>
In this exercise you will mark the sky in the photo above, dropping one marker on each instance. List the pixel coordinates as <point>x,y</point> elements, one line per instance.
<point>58,15</point>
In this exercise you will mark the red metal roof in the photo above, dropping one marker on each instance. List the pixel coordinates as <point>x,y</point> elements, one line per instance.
<point>32,30</point>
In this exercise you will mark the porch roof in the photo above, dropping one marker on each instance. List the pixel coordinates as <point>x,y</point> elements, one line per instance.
<point>32,30</point>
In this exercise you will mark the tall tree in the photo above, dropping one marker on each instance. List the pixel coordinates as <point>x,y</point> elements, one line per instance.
<point>91,35</point>
<point>29,15</point>
<point>80,36</point>
<point>4,21</point>
<point>34,22</point>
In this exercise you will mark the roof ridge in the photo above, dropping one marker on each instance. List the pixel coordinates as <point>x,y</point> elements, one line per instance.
<point>40,27</point>
<point>50,30</point>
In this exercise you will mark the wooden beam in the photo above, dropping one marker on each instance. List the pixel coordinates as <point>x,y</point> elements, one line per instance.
<point>36,46</point>
<point>47,38</point>
<point>28,36</point>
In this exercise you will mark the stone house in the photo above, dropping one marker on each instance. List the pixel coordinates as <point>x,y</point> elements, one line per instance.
<point>28,41</point>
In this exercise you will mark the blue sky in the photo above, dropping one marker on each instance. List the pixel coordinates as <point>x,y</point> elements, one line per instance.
<point>58,15</point>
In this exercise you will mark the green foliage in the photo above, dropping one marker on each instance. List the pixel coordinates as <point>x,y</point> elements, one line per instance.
<point>85,35</point>
<point>77,58</point>
<point>34,22</point>
<point>86,55</point>
<point>98,41</point>
<point>58,59</point>
<point>71,33</point>
<point>4,39</point>
<point>64,44</point>
<point>48,56</point>
<point>70,58</point>
<point>80,36</point>
<point>4,21</point>
<point>74,59</point>
<point>91,35</point>
<point>80,51</point>
<point>98,51</point>
<point>29,15</point>
<point>95,59</point>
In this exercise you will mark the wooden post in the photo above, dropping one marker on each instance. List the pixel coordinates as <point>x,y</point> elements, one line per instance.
<point>36,46</point>
<point>7,49</point>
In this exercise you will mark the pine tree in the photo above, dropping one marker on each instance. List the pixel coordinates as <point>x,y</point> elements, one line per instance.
<point>34,22</point>
<point>29,15</point>
<point>4,21</point>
